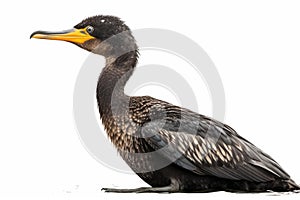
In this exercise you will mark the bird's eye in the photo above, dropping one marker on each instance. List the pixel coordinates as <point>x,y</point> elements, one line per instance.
<point>89,29</point>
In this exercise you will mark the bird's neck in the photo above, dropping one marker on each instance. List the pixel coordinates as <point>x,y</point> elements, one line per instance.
<point>111,83</point>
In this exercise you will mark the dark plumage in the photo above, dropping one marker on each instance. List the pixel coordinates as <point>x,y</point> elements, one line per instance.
<point>171,148</point>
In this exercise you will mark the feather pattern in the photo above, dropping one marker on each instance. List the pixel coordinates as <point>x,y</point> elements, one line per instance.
<point>203,145</point>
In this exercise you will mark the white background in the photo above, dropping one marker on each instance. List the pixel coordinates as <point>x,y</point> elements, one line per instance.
<point>254,44</point>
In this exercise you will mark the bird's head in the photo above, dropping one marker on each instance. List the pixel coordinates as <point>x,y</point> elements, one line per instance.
<point>104,35</point>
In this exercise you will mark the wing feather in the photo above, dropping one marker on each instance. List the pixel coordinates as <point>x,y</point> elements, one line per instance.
<point>208,147</point>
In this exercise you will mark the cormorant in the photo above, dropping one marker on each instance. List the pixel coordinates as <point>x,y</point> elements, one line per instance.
<point>198,153</point>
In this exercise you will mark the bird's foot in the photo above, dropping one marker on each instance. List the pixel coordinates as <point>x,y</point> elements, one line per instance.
<point>166,189</point>
<point>115,190</point>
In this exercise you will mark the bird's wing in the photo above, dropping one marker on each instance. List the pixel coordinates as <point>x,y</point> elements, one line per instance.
<point>208,147</point>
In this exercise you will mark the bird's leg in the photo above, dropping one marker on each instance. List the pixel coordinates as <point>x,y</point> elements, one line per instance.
<point>165,189</point>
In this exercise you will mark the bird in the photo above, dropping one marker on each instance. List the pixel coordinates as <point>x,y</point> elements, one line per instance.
<point>172,149</point>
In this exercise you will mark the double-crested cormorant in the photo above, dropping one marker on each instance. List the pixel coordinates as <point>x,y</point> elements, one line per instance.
<point>198,154</point>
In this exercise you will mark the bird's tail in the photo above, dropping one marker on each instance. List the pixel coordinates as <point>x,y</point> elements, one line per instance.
<point>293,186</point>
<point>286,186</point>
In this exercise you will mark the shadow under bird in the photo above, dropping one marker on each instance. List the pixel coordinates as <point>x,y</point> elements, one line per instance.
<point>173,149</point>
